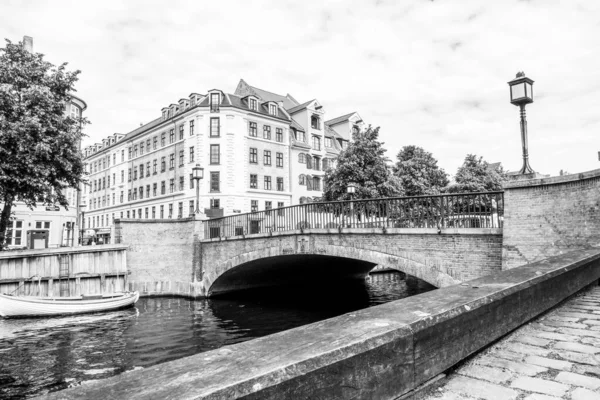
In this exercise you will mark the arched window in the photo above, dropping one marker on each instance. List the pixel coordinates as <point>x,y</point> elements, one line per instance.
<point>309,162</point>
<point>301,158</point>
<point>302,179</point>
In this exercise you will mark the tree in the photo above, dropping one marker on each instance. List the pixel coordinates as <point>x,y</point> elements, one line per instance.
<point>39,143</point>
<point>418,172</point>
<point>363,163</point>
<point>476,175</point>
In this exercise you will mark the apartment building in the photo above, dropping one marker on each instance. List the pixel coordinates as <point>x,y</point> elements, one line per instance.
<point>259,150</point>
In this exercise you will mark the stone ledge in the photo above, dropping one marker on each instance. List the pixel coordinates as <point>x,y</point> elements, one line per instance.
<point>62,250</point>
<point>553,180</point>
<point>379,352</point>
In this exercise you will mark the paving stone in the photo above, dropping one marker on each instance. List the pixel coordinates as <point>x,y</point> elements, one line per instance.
<point>556,336</point>
<point>587,370</point>
<point>532,340</point>
<point>591,322</point>
<point>595,328</point>
<point>542,327</point>
<point>584,394</point>
<point>560,324</point>
<point>450,396</point>
<point>481,389</point>
<point>538,396</point>
<point>549,362</point>
<point>571,378</point>
<point>574,314</point>
<point>580,332</point>
<point>581,306</point>
<point>578,347</point>
<point>514,366</point>
<point>591,340</point>
<point>579,358</point>
<point>540,386</point>
<point>527,349</point>
<point>559,318</point>
<point>485,373</point>
<point>509,355</point>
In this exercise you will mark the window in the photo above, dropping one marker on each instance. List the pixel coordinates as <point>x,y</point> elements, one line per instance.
<point>267,132</point>
<point>280,206</point>
<point>162,212</point>
<point>153,212</point>
<point>122,176</point>
<point>154,140</point>
<point>325,164</point>
<point>253,104</point>
<point>113,197</point>
<point>328,142</point>
<point>171,161</point>
<point>253,205</point>
<point>135,150</point>
<point>355,129</point>
<point>129,195</point>
<point>215,203</point>
<point>302,179</point>
<point>171,185</point>
<point>154,187</point>
<point>181,158</point>
<point>279,135</point>
<point>215,154</point>
<point>121,197</point>
<point>214,181</point>
<point>170,210</point>
<point>148,168</point>
<point>181,182</point>
<point>146,212</point>
<point>315,122</point>
<point>301,158</point>
<point>316,143</point>
<point>252,129</point>
<point>215,99</point>
<point>141,190</point>
<point>162,188</point>
<point>192,207</point>
<point>309,163</point>
<point>154,164</point>
<point>267,183</point>
<point>172,136</point>
<point>317,164</point>
<point>309,182</point>
<point>267,157</point>
<point>280,184</point>
<point>192,154</point>
<point>191,128</point>
<point>108,181</point>
<point>108,160</point>
<point>253,181</point>
<point>141,148</point>
<point>181,132</point>
<point>272,109</point>
<point>191,181</point>
<point>104,183</point>
<point>180,209</point>
<point>135,174</point>
<point>268,207</point>
<point>214,127</point>
<point>253,155</point>
<point>122,155</point>
<point>134,192</point>
<point>41,224</point>
<point>141,171</point>
<point>162,138</point>
<point>163,164</point>
<point>147,191</point>
<point>279,160</point>
<point>127,214</point>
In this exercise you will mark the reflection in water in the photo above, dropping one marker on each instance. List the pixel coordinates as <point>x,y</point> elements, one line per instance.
<point>42,355</point>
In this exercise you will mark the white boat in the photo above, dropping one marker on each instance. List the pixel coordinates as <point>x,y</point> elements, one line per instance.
<point>19,307</point>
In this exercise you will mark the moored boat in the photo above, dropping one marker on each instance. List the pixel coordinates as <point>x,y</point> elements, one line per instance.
<point>21,307</point>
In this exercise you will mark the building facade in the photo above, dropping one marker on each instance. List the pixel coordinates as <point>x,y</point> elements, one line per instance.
<point>258,150</point>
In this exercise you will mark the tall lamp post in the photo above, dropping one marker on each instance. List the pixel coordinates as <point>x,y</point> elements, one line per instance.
<point>198,173</point>
<point>82,223</point>
<point>521,94</point>
<point>351,189</point>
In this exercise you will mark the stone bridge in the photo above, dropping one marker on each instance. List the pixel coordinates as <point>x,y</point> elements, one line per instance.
<point>440,257</point>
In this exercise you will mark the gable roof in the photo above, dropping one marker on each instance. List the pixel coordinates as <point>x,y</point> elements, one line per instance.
<point>299,107</point>
<point>339,119</point>
<point>297,126</point>
<point>243,89</point>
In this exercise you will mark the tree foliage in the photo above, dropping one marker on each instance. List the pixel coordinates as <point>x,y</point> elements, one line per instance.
<point>418,172</point>
<point>363,163</point>
<point>476,175</point>
<point>39,143</point>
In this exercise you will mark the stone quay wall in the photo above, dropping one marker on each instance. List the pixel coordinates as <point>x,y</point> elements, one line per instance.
<point>550,216</point>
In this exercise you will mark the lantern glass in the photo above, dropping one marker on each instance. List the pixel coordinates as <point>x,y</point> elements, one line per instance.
<point>351,188</point>
<point>517,91</point>
<point>198,172</point>
<point>529,90</point>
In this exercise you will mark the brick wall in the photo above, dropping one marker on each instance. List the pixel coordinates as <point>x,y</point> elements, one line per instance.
<point>550,216</point>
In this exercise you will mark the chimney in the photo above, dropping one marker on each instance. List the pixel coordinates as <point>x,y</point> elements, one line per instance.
<point>28,43</point>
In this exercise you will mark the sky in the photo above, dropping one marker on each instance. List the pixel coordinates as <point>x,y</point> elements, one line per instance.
<point>428,73</point>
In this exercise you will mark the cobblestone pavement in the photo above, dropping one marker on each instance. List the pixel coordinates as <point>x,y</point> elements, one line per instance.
<point>557,356</point>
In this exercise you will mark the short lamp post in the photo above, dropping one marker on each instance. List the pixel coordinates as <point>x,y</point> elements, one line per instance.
<point>521,94</point>
<point>351,189</point>
<point>197,174</point>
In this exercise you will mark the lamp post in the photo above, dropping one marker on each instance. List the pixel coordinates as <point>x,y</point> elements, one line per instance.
<point>82,224</point>
<point>351,189</point>
<point>198,173</point>
<point>521,94</point>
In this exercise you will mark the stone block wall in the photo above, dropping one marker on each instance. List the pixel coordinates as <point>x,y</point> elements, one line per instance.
<point>550,216</point>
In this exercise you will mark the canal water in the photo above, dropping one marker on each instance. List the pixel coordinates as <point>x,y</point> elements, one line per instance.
<point>42,355</point>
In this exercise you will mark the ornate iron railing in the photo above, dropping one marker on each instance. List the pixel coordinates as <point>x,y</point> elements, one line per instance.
<point>466,210</point>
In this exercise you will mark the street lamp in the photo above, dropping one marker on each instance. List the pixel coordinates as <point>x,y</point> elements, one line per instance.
<point>198,173</point>
<point>351,189</point>
<point>521,93</point>
<point>82,224</point>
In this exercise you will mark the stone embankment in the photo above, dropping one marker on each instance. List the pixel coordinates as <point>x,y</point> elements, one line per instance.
<point>555,357</point>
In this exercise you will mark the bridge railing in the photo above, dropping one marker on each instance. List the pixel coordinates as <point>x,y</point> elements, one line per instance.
<point>465,210</point>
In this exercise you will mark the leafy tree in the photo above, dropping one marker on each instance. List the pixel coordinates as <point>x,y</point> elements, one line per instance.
<point>39,143</point>
<point>418,172</point>
<point>476,175</point>
<point>363,163</point>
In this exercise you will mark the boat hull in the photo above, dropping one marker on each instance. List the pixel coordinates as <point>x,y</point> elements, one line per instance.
<point>24,307</point>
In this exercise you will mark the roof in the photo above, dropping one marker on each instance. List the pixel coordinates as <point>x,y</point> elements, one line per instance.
<point>339,119</point>
<point>331,132</point>
<point>299,107</point>
<point>297,126</point>
<point>244,89</point>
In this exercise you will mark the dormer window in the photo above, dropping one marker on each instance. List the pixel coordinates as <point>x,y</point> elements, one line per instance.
<point>315,122</point>
<point>272,109</point>
<point>253,105</point>
<point>193,102</point>
<point>215,101</point>
<point>355,129</point>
